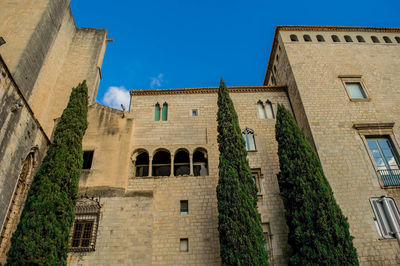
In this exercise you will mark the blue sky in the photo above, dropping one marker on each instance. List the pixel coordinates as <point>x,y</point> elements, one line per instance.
<point>192,43</point>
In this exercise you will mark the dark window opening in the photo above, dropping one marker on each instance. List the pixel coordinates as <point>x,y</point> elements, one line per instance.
<point>184,245</point>
<point>293,38</point>
<point>184,206</point>
<point>87,159</point>
<point>307,38</point>
<point>200,163</point>
<point>335,38</point>
<point>181,163</point>
<point>348,38</point>
<point>142,164</point>
<point>360,38</point>
<point>320,38</point>
<point>195,112</point>
<point>162,164</point>
<point>375,39</point>
<point>397,39</point>
<point>387,39</point>
<point>82,235</point>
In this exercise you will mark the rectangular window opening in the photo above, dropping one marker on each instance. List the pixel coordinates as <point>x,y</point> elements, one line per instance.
<point>82,235</point>
<point>355,90</point>
<point>184,206</point>
<point>87,159</point>
<point>195,112</point>
<point>184,245</point>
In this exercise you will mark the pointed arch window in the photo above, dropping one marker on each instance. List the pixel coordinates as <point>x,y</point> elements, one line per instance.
<point>269,110</point>
<point>157,112</point>
<point>164,113</point>
<point>261,110</point>
<point>248,135</point>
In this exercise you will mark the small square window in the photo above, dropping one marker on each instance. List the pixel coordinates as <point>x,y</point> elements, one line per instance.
<point>184,206</point>
<point>355,90</point>
<point>184,245</point>
<point>195,112</point>
<point>87,159</point>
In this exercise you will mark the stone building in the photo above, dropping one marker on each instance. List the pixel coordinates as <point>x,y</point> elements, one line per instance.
<point>148,187</point>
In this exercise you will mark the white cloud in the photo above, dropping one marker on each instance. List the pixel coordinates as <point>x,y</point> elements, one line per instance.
<point>115,96</point>
<point>156,81</point>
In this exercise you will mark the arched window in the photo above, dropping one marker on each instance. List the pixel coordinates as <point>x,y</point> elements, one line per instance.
<point>142,164</point>
<point>293,38</point>
<point>261,110</point>
<point>164,115</point>
<point>200,162</point>
<point>387,39</point>
<point>348,38</point>
<point>397,39</point>
<point>375,39</point>
<point>157,112</point>
<point>269,110</point>
<point>307,38</point>
<point>181,163</point>
<point>335,38</point>
<point>17,203</point>
<point>360,38</point>
<point>162,163</point>
<point>320,38</point>
<point>248,136</point>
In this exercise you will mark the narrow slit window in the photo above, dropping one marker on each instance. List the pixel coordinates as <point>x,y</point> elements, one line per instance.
<point>87,159</point>
<point>360,38</point>
<point>157,112</point>
<point>164,115</point>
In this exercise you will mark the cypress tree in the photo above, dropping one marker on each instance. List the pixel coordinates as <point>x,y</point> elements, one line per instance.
<point>240,232</point>
<point>42,234</point>
<point>318,231</point>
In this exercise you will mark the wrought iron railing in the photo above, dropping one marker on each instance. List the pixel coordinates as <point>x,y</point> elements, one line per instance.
<point>390,177</point>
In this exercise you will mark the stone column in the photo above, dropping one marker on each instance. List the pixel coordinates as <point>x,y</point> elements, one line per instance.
<point>172,165</point>
<point>191,163</point>
<point>150,165</point>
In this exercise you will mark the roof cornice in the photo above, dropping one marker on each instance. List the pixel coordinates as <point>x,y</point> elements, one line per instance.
<point>318,28</point>
<point>208,90</point>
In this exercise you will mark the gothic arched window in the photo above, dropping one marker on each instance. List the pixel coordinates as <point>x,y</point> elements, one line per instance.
<point>269,110</point>
<point>248,135</point>
<point>157,112</point>
<point>261,110</point>
<point>164,114</point>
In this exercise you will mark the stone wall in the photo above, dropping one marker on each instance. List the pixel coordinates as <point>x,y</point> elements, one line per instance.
<point>116,141</point>
<point>20,135</point>
<point>317,68</point>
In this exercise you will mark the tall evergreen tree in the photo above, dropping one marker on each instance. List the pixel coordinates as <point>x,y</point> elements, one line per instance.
<point>318,231</point>
<point>42,234</point>
<point>240,232</point>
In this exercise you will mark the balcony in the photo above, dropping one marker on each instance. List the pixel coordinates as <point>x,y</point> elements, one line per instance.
<point>390,177</point>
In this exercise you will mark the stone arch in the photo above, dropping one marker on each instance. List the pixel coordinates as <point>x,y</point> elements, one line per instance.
<point>161,163</point>
<point>181,162</point>
<point>141,161</point>
<point>22,185</point>
<point>200,162</point>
